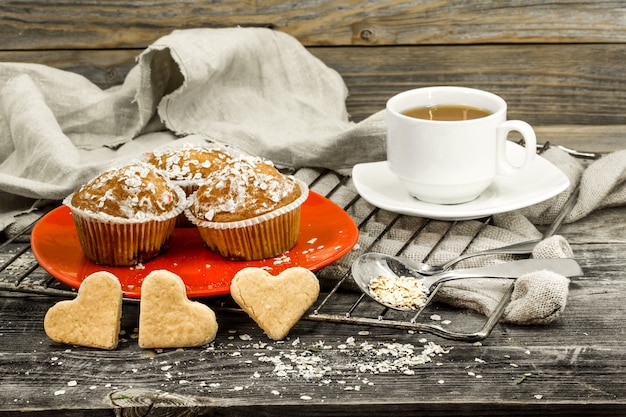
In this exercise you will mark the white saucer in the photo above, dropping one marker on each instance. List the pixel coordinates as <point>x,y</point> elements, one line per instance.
<point>538,182</point>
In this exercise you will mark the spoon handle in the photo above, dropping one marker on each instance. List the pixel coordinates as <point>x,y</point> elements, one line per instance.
<point>515,269</point>
<point>521,248</point>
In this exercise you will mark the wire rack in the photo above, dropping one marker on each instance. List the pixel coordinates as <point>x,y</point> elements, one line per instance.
<point>339,302</point>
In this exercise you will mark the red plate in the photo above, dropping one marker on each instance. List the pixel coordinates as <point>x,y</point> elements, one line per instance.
<point>326,234</point>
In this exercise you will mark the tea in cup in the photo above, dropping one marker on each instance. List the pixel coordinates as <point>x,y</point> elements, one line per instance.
<point>447,144</point>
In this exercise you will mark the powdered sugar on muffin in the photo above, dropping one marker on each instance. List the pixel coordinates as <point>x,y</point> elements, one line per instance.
<point>137,191</point>
<point>188,163</point>
<point>243,188</point>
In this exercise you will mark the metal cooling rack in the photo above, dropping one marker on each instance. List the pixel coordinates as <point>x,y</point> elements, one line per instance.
<point>339,303</point>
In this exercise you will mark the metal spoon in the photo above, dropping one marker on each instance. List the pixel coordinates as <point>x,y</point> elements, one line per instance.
<point>521,248</point>
<point>371,265</point>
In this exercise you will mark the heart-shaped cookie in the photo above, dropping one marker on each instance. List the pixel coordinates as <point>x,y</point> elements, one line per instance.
<point>92,319</point>
<point>168,319</point>
<point>275,302</point>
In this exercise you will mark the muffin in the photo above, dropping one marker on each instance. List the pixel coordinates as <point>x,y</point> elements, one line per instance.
<point>126,215</point>
<point>187,167</point>
<point>248,210</point>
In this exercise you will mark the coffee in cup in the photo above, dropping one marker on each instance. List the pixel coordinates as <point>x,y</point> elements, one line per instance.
<point>446,144</point>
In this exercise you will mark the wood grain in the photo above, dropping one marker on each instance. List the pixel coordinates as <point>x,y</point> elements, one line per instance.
<point>560,67</point>
<point>70,24</point>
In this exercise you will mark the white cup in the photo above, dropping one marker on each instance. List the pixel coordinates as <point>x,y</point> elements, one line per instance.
<point>451,162</point>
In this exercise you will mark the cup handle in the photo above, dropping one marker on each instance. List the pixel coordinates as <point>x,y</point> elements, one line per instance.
<point>504,167</point>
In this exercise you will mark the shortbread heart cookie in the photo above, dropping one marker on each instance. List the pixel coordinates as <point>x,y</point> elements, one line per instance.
<point>168,319</point>
<point>92,319</point>
<point>275,302</point>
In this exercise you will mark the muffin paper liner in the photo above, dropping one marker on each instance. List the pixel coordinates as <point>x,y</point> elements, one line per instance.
<point>259,237</point>
<point>110,240</point>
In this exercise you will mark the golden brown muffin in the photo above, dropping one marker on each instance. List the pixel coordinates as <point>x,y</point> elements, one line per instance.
<point>248,209</point>
<point>126,215</point>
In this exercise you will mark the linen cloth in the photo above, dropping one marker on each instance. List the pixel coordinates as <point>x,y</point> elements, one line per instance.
<point>254,89</point>
<point>260,92</point>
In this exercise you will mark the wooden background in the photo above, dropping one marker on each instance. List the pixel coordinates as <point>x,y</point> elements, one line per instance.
<point>558,63</point>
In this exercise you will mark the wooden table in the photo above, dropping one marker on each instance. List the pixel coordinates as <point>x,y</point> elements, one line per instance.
<point>560,67</point>
<point>574,366</point>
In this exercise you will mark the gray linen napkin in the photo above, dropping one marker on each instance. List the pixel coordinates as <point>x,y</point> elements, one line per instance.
<point>254,89</point>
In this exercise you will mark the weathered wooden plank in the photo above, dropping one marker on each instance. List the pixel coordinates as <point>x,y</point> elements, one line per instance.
<point>569,360</point>
<point>543,84</point>
<point>70,24</point>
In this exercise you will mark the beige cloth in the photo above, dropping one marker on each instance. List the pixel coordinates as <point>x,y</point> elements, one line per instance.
<point>253,89</point>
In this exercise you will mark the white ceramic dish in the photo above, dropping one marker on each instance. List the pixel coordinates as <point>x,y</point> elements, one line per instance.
<point>539,182</point>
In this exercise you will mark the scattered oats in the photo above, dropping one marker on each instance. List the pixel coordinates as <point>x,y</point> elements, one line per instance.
<point>441,381</point>
<point>507,356</point>
<point>409,372</point>
<point>140,266</point>
<point>256,375</point>
<point>446,322</point>
<point>183,382</point>
<point>72,383</point>
<point>471,374</point>
<point>312,241</point>
<point>514,365</point>
<point>93,387</point>
<point>423,340</point>
<point>166,367</point>
<point>235,354</point>
<point>245,337</point>
<point>305,397</point>
<point>215,385</point>
<point>538,396</point>
<point>478,344</point>
<point>405,293</point>
<point>281,260</point>
<point>479,376</point>
<point>479,360</point>
<point>274,392</point>
<point>238,388</point>
<point>527,352</point>
<point>59,392</point>
<point>435,317</point>
<point>364,333</point>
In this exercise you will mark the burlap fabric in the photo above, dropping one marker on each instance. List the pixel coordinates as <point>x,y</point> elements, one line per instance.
<point>261,92</point>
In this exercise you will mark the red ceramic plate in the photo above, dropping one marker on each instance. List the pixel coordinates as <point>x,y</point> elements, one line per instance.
<point>326,234</point>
